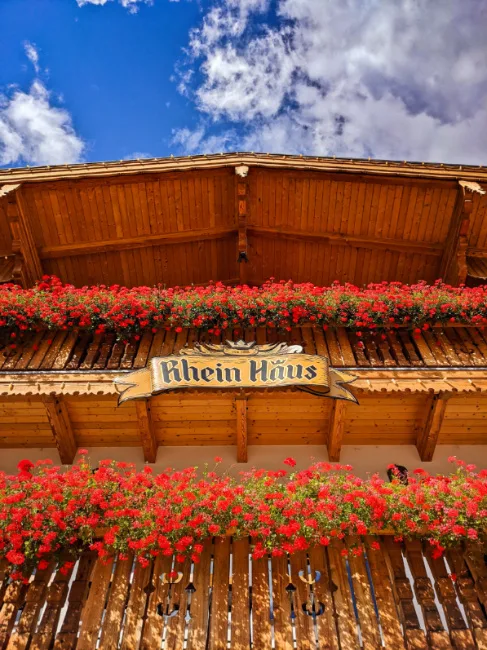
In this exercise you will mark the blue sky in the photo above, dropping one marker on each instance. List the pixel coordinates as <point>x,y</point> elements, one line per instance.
<point>84,80</point>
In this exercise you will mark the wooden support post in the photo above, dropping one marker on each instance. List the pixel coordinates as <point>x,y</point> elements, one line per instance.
<point>62,431</point>
<point>242,211</point>
<point>241,409</point>
<point>335,431</point>
<point>146,430</point>
<point>28,268</point>
<point>428,435</point>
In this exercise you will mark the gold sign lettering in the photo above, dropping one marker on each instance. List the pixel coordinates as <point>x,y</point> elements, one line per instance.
<point>236,365</point>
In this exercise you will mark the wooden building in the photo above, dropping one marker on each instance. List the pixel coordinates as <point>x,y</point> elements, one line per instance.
<point>243,218</point>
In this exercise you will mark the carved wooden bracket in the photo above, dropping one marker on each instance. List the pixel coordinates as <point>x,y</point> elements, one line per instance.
<point>453,268</point>
<point>27,268</point>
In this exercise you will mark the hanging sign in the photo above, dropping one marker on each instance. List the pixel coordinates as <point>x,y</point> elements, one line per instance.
<point>237,365</point>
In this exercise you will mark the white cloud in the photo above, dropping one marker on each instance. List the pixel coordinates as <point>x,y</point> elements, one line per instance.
<point>32,54</point>
<point>137,155</point>
<point>401,79</point>
<point>33,131</point>
<point>195,140</point>
<point>131,5</point>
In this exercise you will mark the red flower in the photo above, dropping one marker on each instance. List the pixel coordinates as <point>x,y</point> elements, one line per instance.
<point>290,461</point>
<point>25,466</point>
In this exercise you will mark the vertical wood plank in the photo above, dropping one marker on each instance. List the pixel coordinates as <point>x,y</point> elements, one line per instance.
<point>12,600</point>
<point>117,601</point>
<point>176,625</point>
<point>305,632</point>
<point>261,604</point>
<point>95,603</point>
<point>154,622</point>
<point>347,627</point>
<point>437,636</point>
<point>283,630</point>
<point>200,601</point>
<point>327,631</point>
<point>66,638</point>
<point>240,639</point>
<point>364,602</point>
<point>403,593</point>
<point>34,598</point>
<point>219,599</point>
<point>465,587</point>
<point>460,635</point>
<point>135,608</point>
<point>55,599</point>
<point>388,614</point>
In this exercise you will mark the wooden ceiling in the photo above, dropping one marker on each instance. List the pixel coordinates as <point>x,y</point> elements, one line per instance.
<point>183,221</point>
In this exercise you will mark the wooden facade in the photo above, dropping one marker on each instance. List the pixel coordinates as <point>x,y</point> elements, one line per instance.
<point>243,218</point>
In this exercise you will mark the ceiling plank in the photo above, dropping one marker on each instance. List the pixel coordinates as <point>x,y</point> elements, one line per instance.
<point>428,435</point>
<point>241,410</point>
<point>146,430</point>
<point>336,430</point>
<point>58,416</point>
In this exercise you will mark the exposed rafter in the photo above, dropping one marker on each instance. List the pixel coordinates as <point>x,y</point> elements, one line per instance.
<point>241,412</point>
<point>146,430</point>
<point>427,438</point>
<point>336,430</point>
<point>58,416</point>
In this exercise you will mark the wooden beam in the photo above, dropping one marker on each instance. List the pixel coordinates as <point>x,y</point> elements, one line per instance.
<point>336,429</point>
<point>28,267</point>
<point>427,437</point>
<point>242,211</point>
<point>58,416</point>
<point>241,409</point>
<point>399,245</point>
<point>129,243</point>
<point>146,430</point>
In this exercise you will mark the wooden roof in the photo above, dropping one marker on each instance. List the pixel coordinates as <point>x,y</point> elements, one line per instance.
<point>243,218</point>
